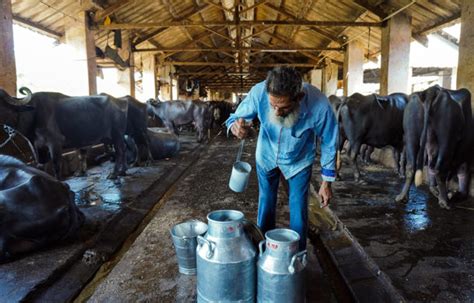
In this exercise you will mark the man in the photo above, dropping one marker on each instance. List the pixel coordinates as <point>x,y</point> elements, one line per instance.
<point>292,115</point>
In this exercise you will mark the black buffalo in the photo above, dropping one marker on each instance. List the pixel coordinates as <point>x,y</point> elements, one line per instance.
<point>162,145</point>
<point>373,120</point>
<point>35,209</point>
<point>176,113</point>
<point>220,111</point>
<point>438,130</point>
<point>54,121</point>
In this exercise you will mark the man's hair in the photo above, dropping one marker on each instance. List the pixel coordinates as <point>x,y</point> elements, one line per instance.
<point>284,81</point>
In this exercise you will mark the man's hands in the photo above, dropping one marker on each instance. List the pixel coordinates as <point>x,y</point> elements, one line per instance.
<point>240,129</point>
<point>325,193</point>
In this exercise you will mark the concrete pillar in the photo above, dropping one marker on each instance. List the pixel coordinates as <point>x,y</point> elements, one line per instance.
<point>150,88</point>
<point>316,77</point>
<point>395,69</point>
<point>465,75</point>
<point>127,77</point>
<point>82,49</point>
<point>7,53</point>
<point>330,72</point>
<point>353,68</point>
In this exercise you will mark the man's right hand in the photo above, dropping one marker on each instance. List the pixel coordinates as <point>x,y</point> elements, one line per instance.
<point>240,129</point>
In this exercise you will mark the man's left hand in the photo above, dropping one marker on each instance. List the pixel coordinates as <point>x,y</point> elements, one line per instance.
<point>325,193</point>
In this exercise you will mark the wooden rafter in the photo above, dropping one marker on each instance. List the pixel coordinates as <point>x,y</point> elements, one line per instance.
<point>242,23</point>
<point>195,11</point>
<point>195,63</point>
<point>294,18</point>
<point>111,9</point>
<point>219,6</point>
<point>290,49</point>
<point>373,9</point>
<point>254,6</point>
<point>37,27</point>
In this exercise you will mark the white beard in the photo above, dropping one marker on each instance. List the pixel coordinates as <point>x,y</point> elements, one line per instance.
<point>288,121</point>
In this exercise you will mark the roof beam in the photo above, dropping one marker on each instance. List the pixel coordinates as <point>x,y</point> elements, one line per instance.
<point>218,6</point>
<point>254,6</point>
<point>242,23</point>
<point>292,17</point>
<point>186,63</point>
<point>111,9</point>
<point>195,11</point>
<point>437,25</point>
<point>37,27</point>
<point>374,10</point>
<point>290,49</point>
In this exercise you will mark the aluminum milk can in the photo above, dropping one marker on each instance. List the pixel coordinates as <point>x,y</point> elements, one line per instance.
<point>226,260</point>
<point>280,269</point>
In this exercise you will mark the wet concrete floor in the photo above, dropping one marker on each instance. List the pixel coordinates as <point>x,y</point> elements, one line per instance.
<point>61,270</point>
<point>148,271</point>
<point>428,252</point>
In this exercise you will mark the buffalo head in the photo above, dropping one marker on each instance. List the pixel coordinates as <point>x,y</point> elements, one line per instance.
<point>10,106</point>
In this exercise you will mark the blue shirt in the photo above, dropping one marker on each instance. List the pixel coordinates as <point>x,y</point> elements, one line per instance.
<point>292,149</point>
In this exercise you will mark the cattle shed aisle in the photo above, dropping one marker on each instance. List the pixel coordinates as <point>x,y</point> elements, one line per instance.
<point>147,270</point>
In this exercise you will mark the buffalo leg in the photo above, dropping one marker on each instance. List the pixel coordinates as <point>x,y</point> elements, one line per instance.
<point>443,192</point>
<point>353,158</point>
<point>409,176</point>
<point>432,182</point>
<point>81,170</point>
<point>55,153</point>
<point>463,175</point>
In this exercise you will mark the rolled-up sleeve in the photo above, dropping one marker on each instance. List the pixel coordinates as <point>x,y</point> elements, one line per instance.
<point>327,130</point>
<point>247,109</point>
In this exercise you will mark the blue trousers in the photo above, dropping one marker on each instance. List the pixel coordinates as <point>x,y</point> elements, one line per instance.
<point>298,186</point>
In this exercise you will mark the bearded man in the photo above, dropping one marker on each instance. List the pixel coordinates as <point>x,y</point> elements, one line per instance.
<point>292,116</point>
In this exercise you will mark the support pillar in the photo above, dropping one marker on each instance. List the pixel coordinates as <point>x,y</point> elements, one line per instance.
<point>395,69</point>
<point>465,71</point>
<point>353,68</point>
<point>316,78</point>
<point>329,86</point>
<point>80,40</point>
<point>150,88</point>
<point>127,77</point>
<point>7,53</point>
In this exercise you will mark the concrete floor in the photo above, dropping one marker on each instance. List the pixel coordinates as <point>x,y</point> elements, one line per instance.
<point>113,209</point>
<point>148,271</point>
<point>428,252</point>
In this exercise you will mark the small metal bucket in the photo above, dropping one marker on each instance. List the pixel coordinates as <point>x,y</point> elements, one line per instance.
<point>184,239</point>
<point>239,178</point>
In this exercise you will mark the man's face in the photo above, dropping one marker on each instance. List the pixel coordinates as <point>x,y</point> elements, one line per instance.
<point>282,105</point>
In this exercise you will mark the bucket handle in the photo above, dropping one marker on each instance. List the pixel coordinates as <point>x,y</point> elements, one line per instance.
<point>302,255</point>
<point>260,247</point>
<point>210,245</point>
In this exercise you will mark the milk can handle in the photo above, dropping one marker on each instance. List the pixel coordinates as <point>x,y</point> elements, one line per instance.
<point>260,247</point>
<point>302,255</point>
<point>210,245</point>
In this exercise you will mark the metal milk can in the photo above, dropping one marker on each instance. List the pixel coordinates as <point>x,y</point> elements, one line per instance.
<point>226,260</point>
<point>280,269</point>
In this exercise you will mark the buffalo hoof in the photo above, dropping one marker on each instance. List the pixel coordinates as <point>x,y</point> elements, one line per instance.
<point>434,191</point>
<point>112,176</point>
<point>79,173</point>
<point>122,173</point>
<point>457,196</point>
<point>444,204</point>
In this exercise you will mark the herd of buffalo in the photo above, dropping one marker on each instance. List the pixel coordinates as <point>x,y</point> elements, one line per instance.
<point>432,127</point>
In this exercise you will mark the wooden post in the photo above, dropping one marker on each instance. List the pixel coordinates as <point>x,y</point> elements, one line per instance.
<point>7,53</point>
